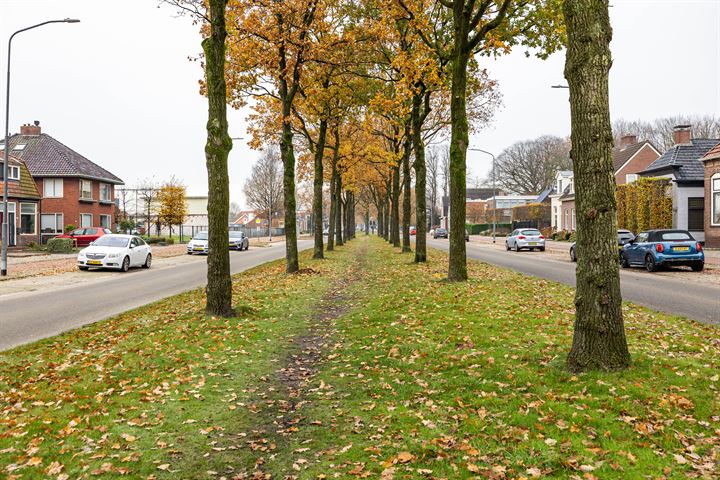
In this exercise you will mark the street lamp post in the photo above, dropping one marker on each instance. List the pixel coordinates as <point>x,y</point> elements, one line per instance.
<point>6,148</point>
<point>493,183</point>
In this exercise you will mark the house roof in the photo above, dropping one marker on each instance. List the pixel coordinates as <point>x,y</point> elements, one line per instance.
<point>712,154</point>
<point>564,173</point>
<point>567,194</point>
<point>545,194</point>
<point>684,159</point>
<point>24,188</point>
<point>45,157</point>
<point>621,156</point>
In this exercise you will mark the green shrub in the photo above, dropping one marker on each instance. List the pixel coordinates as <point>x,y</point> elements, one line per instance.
<point>60,245</point>
<point>156,240</point>
<point>70,228</point>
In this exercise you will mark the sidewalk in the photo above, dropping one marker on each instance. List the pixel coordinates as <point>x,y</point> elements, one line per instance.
<point>712,257</point>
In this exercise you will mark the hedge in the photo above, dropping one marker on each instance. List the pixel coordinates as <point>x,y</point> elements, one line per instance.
<point>60,245</point>
<point>476,228</point>
<point>644,204</point>
<point>531,211</point>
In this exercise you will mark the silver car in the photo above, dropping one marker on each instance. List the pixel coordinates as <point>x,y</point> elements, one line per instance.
<point>238,241</point>
<point>529,238</point>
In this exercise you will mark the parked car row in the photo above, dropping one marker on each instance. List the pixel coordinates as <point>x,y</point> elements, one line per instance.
<point>199,243</point>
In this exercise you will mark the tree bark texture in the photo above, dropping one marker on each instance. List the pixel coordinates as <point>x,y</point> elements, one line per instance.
<point>339,211</point>
<point>599,341</point>
<point>420,181</point>
<point>333,196</point>
<point>395,220</point>
<point>318,182</point>
<point>217,148</point>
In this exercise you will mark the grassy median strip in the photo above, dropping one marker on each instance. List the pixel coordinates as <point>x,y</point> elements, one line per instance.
<point>366,365</point>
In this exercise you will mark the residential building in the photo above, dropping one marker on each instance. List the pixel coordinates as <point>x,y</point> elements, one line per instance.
<point>245,217</point>
<point>631,157</point>
<point>74,190</point>
<point>470,194</point>
<point>682,164</point>
<point>505,203</point>
<point>23,204</point>
<point>711,164</point>
<point>197,211</point>
<point>563,179</point>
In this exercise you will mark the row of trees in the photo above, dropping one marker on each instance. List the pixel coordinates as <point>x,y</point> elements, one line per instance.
<point>152,203</point>
<point>351,93</point>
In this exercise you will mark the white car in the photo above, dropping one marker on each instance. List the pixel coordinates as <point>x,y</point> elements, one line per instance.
<point>116,251</point>
<point>198,244</point>
<point>529,238</point>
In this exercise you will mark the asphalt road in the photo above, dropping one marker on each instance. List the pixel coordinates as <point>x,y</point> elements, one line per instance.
<point>670,295</point>
<point>28,317</point>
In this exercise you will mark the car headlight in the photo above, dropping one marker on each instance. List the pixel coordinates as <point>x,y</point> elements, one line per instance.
<point>113,255</point>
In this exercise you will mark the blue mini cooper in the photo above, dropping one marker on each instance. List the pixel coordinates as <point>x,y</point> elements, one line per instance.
<point>653,249</point>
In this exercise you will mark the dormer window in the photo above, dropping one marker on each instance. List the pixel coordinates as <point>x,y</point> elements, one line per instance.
<point>19,148</point>
<point>13,172</point>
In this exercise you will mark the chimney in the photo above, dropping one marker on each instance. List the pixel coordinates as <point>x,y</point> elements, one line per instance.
<point>627,140</point>
<point>682,134</point>
<point>28,129</point>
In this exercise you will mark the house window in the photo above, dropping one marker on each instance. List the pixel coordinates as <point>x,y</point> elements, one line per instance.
<point>86,189</point>
<point>105,221</point>
<point>51,223</point>
<point>105,192</point>
<point>28,215</point>
<point>13,172</point>
<point>631,177</point>
<point>53,188</point>
<point>573,219</point>
<point>696,211</point>
<point>566,224</point>
<point>86,220</point>
<point>715,199</point>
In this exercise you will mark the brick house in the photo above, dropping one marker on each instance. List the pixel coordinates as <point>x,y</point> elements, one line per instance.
<point>711,164</point>
<point>23,204</point>
<point>682,164</point>
<point>631,157</point>
<point>74,190</point>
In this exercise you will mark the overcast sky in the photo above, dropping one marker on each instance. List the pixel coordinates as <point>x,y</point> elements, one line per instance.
<point>119,89</point>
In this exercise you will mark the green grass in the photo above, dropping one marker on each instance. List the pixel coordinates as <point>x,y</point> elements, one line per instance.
<point>420,378</point>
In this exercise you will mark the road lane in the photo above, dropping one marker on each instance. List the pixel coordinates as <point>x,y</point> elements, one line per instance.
<point>32,316</point>
<point>676,296</point>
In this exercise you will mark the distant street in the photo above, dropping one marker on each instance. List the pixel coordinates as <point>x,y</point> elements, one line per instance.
<point>670,295</point>
<point>27,317</point>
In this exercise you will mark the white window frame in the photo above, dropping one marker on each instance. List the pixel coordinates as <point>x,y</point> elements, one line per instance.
<point>631,177</point>
<point>109,224</point>
<point>109,191</point>
<point>11,169</point>
<point>714,190</point>
<point>573,219</point>
<point>35,221</point>
<point>82,190</point>
<point>56,216</point>
<point>54,182</point>
<point>81,220</point>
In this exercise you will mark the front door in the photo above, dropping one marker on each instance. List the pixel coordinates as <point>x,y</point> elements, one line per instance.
<point>11,223</point>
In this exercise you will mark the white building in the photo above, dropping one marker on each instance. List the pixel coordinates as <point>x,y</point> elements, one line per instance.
<point>563,180</point>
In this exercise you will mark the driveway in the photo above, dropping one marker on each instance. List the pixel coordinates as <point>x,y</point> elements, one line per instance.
<point>63,302</point>
<point>669,292</point>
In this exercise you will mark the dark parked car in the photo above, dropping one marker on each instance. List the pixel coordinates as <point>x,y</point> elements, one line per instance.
<point>440,233</point>
<point>623,237</point>
<point>653,249</point>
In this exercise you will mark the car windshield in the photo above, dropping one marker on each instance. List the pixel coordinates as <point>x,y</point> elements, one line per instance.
<point>201,236</point>
<point>530,232</point>
<point>236,234</point>
<point>675,236</point>
<point>109,241</point>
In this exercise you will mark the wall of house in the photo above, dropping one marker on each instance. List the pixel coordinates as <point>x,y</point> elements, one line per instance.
<point>567,221</point>
<point>680,208</point>
<point>639,162</point>
<point>70,204</point>
<point>712,232</point>
<point>23,240</point>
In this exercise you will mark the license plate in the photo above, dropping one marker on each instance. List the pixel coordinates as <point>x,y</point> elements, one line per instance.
<point>681,249</point>
<point>200,249</point>
<point>94,262</point>
<point>532,243</point>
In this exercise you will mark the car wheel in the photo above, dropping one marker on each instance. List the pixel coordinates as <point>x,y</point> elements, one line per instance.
<point>542,249</point>
<point>83,268</point>
<point>148,261</point>
<point>650,264</point>
<point>125,265</point>
<point>507,247</point>
<point>517,249</point>
<point>623,261</point>
<point>697,267</point>
<point>189,253</point>
<point>573,258</point>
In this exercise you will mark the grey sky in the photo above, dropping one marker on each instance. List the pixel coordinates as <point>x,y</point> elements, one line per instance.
<point>119,88</point>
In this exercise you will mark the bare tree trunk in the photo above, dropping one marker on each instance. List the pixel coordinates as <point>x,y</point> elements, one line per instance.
<point>318,182</point>
<point>288,158</point>
<point>599,335</point>
<point>395,220</point>
<point>457,266</point>
<point>217,148</point>
<point>406,192</point>
<point>367,220</point>
<point>339,214</point>
<point>420,178</point>
<point>333,195</point>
